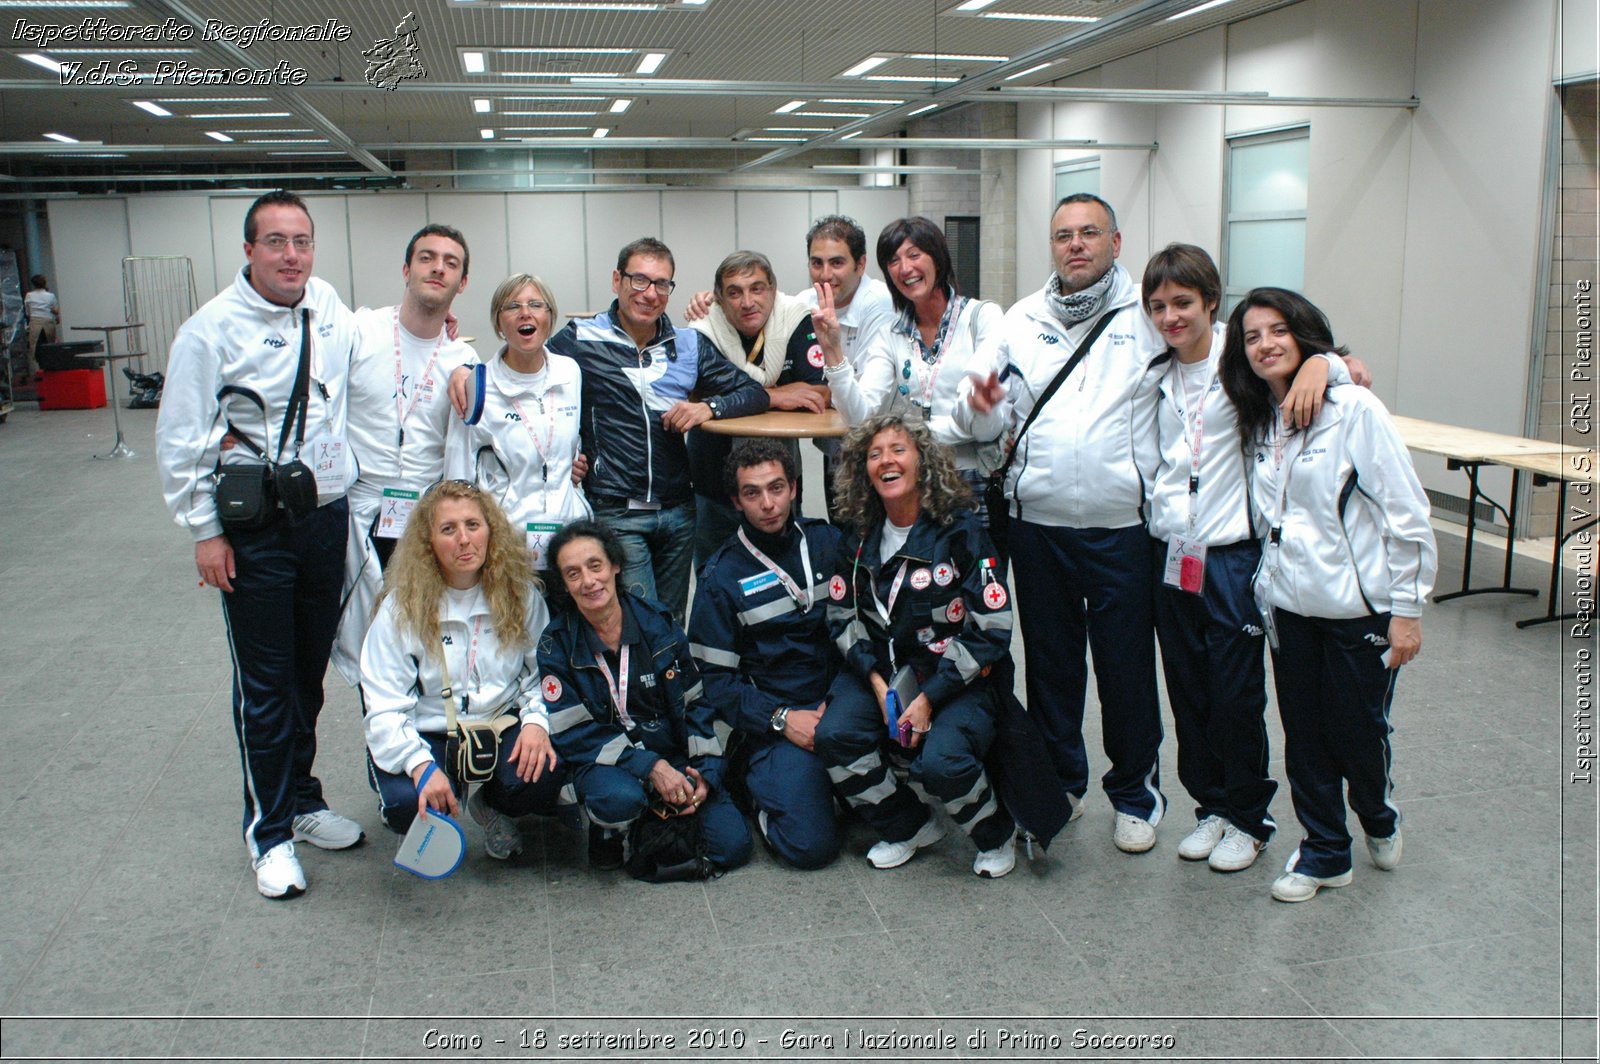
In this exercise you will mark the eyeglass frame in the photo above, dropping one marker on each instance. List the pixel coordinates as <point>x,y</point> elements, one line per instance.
<point>649,282</point>
<point>1089,234</point>
<point>514,307</point>
<point>278,242</point>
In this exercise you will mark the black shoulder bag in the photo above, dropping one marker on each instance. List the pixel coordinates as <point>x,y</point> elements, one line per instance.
<point>994,491</point>
<point>248,496</point>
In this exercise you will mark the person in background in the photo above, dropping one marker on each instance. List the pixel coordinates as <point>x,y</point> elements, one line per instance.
<point>43,312</point>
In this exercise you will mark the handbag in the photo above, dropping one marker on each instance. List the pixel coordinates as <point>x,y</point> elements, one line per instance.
<point>472,747</point>
<point>994,489</point>
<point>664,847</point>
<point>249,496</point>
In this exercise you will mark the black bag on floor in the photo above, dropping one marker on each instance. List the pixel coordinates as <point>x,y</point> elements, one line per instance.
<point>667,849</point>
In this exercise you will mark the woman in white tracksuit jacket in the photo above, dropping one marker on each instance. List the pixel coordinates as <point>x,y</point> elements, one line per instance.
<point>520,437</point>
<point>1348,560</point>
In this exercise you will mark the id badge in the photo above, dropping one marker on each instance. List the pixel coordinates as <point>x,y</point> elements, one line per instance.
<point>1186,565</point>
<point>327,462</point>
<point>540,533</point>
<point>395,512</point>
<point>1269,621</point>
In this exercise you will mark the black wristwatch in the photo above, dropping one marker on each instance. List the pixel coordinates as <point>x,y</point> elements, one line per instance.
<point>780,717</point>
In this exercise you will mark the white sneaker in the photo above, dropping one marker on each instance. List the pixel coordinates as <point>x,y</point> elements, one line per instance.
<point>1077,807</point>
<point>992,864</point>
<point>278,872</point>
<point>1385,853</point>
<point>501,837</point>
<point>1236,852</point>
<point>887,854</point>
<point>327,830</point>
<point>1198,844</point>
<point>1133,834</point>
<point>1295,886</point>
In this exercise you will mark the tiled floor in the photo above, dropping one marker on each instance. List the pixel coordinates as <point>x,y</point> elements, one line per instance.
<point>127,893</point>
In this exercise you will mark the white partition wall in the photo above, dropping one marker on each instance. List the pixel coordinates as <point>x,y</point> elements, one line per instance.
<point>701,228</point>
<point>90,239</point>
<point>382,226</point>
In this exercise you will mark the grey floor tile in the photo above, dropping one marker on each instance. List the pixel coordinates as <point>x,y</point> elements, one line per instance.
<point>766,904</point>
<point>984,963</point>
<point>327,1022</point>
<point>1579,1038</point>
<point>269,948</point>
<point>1472,1038</point>
<point>89,1038</point>
<point>136,969</point>
<point>662,919</point>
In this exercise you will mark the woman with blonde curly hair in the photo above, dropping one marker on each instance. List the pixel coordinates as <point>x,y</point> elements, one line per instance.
<point>460,612</point>
<point>920,610</point>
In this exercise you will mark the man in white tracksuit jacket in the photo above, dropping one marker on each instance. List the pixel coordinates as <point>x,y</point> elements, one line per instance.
<point>1080,554</point>
<point>232,371</point>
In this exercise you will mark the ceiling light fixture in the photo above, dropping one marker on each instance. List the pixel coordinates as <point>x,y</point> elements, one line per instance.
<point>218,99</point>
<point>243,114</point>
<point>798,129</point>
<point>1025,73</point>
<point>1017,16</point>
<point>39,60</point>
<point>922,110</point>
<point>651,62</point>
<point>153,108</point>
<point>546,129</point>
<point>792,105</point>
<point>849,136</point>
<point>872,62</point>
<point>869,103</point>
<point>831,114</point>
<point>568,5</point>
<point>620,106</point>
<point>65,3</point>
<point>945,57</point>
<point>558,74</point>
<point>601,133</point>
<point>472,62</point>
<point>549,114</point>
<point>1196,10</point>
<point>486,134</point>
<point>222,137</point>
<point>973,5</point>
<point>917,78</point>
<point>482,106</point>
<point>62,137</point>
<point>567,51</point>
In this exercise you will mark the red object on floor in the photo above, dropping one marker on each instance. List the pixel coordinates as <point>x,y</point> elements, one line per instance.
<point>72,389</point>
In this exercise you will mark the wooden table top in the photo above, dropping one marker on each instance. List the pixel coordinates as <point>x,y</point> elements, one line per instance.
<point>781,424</point>
<point>1545,457</point>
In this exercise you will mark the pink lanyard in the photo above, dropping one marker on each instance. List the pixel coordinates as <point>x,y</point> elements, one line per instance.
<point>402,411</point>
<point>542,450</point>
<point>472,664</point>
<point>803,599</point>
<point>619,691</point>
<point>1197,434</point>
<point>1276,535</point>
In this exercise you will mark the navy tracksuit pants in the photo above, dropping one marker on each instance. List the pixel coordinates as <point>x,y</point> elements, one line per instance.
<point>281,617</point>
<point>1091,588</point>
<point>1334,695</point>
<point>792,787</point>
<point>506,793</point>
<point>615,798</point>
<point>1211,654</point>
<point>948,764</point>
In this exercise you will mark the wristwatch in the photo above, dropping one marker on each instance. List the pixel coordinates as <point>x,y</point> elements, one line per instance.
<point>780,717</point>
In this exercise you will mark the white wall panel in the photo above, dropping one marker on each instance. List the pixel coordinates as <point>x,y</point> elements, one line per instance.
<point>544,237</point>
<point>175,225</point>
<point>335,257</point>
<point>775,224</point>
<point>90,238</point>
<point>227,238</point>
<point>481,217</point>
<point>1578,39</point>
<point>701,229</point>
<point>615,219</point>
<point>380,228</point>
<point>873,209</point>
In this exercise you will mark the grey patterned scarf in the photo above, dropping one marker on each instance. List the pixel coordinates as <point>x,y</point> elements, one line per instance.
<point>1078,306</point>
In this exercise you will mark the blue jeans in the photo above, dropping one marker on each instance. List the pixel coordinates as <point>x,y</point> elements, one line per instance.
<point>659,546</point>
<point>615,798</point>
<point>506,793</point>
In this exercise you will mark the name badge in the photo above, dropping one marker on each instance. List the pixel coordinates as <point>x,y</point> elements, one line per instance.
<point>395,512</point>
<point>326,456</point>
<point>1186,565</point>
<point>751,584</point>
<point>540,533</point>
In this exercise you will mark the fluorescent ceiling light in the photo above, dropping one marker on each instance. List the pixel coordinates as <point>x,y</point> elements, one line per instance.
<point>64,3</point>
<point>153,108</point>
<point>831,114</point>
<point>798,129</point>
<point>558,74</point>
<point>792,105</point>
<point>122,51</point>
<point>568,51</point>
<point>869,103</point>
<point>222,137</point>
<point>872,62</point>
<point>651,62</point>
<point>287,140</point>
<point>472,62</point>
<point>218,99</point>
<point>482,106</point>
<point>1025,73</point>
<point>919,78</point>
<point>619,106</point>
<point>1196,10</point>
<point>542,98</point>
<point>922,110</point>
<point>259,132</point>
<point>62,137</point>
<point>945,57</point>
<point>244,114</point>
<point>39,60</point>
<point>569,5</point>
<point>779,140</point>
<point>973,5</point>
<point>1019,17</point>
<point>601,132</point>
<point>546,129</point>
<point>90,155</point>
<point>304,152</point>
<point>857,133</point>
<point>548,114</point>
<point>486,134</point>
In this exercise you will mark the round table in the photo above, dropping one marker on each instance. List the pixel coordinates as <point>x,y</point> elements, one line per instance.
<point>121,448</point>
<point>780,424</point>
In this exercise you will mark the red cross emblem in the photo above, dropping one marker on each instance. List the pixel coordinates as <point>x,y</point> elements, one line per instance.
<point>836,589</point>
<point>939,647</point>
<point>956,610</point>
<point>814,356</point>
<point>994,596</point>
<point>943,574</point>
<point>551,688</point>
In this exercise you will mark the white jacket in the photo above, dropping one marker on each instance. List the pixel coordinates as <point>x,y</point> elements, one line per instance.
<point>1080,464</point>
<point>875,388</point>
<point>401,680</point>
<point>1222,513</point>
<point>524,459</point>
<point>240,339</point>
<point>1381,545</point>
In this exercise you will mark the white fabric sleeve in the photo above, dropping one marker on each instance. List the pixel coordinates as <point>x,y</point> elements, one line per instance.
<point>389,685</point>
<point>533,710</point>
<point>1385,474</point>
<point>189,432</point>
<point>859,395</point>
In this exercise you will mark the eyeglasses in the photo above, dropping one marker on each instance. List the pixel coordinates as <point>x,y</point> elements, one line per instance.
<point>1089,234</point>
<point>640,282</point>
<point>277,242</point>
<point>532,304</point>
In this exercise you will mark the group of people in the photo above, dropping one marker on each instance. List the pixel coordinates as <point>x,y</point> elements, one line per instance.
<point>504,548</point>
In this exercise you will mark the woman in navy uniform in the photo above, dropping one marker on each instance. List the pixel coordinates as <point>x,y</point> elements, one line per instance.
<point>917,587</point>
<point>626,712</point>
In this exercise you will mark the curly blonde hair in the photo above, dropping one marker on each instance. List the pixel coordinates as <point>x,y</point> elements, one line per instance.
<point>944,494</point>
<point>507,576</point>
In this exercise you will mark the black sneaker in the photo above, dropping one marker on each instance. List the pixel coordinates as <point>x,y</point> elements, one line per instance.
<point>605,849</point>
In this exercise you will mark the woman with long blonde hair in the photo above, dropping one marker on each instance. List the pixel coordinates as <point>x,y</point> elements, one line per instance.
<point>460,611</point>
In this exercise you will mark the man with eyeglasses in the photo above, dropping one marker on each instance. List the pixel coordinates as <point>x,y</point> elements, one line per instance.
<point>399,412</point>
<point>233,370</point>
<point>770,336</point>
<point>646,383</point>
<point>1080,555</point>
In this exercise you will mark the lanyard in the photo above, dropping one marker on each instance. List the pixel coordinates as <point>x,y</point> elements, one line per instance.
<point>882,611</point>
<point>1276,535</point>
<point>401,410</point>
<point>619,691</point>
<point>1195,429</point>
<point>542,450</point>
<point>472,663</point>
<point>804,598</point>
